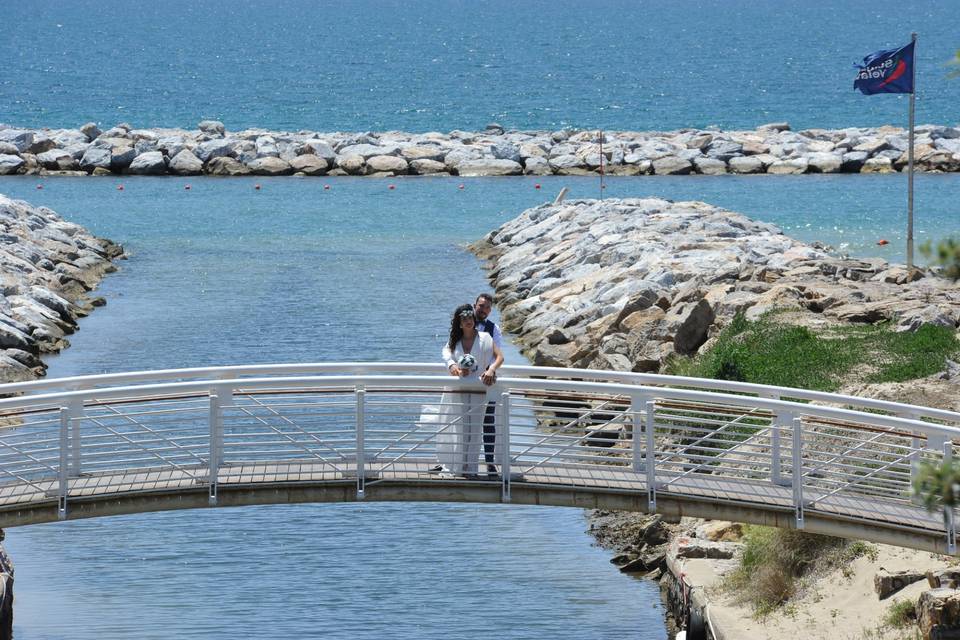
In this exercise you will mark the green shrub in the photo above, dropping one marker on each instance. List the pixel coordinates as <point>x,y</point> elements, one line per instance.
<point>901,614</point>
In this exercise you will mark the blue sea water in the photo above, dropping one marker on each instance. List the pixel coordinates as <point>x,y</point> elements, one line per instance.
<point>222,274</point>
<point>422,65</point>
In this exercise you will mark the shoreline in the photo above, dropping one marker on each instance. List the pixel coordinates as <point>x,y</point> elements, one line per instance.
<point>212,150</point>
<point>49,269</point>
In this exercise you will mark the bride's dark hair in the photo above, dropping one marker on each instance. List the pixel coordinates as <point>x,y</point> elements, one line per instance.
<point>455,331</point>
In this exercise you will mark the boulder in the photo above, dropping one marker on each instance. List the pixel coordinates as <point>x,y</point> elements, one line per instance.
<point>321,149</point>
<point>20,139</point>
<point>720,531</point>
<point>91,131</point>
<point>710,166</point>
<point>423,152</point>
<point>310,165</point>
<point>352,165</point>
<point>185,163</point>
<point>270,166</point>
<point>55,159</point>
<point>671,166</point>
<point>225,166</point>
<point>368,150</point>
<point>218,148</point>
<point>10,164</point>
<point>121,157</point>
<point>886,583</point>
<point>95,158</point>
<point>213,128</point>
<point>690,324</point>
<point>696,548</point>
<point>789,166</point>
<point>425,167</point>
<point>930,314</point>
<point>151,164</point>
<point>387,164</point>
<point>938,614</point>
<point>489,167</point>
<point>877,164</point>
<point>746,164</point>
<point>537,166</point>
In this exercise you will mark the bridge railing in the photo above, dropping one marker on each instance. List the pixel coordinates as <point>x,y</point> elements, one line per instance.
<point>805,452</point>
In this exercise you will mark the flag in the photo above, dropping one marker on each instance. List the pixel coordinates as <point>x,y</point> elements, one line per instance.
<point>889,71</point>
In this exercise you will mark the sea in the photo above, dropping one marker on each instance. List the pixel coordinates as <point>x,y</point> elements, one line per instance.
<point>223,273</point>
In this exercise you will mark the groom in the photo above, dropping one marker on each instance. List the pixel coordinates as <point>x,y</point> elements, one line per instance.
<point>482,307</point>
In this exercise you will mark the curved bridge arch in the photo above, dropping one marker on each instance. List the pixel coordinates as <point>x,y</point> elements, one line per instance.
<point>228,436</point>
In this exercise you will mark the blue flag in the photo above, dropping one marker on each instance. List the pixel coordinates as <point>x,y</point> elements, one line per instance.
<point>889,71</point>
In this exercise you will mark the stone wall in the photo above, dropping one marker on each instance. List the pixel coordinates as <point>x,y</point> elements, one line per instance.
<point>212,150</point>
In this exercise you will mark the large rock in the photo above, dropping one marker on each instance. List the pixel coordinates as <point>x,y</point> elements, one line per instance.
<point>270,166</point>
<point>310,165</point>
<point>213,128</point>
<point>387,164</point>
<point>224,166</point>
<point>94,158</point>
<point>150,164</point>
<point>321,149</point>
<point>489,167</point>
<point>690,323</point>
<point>218,148</point>
<point>672,165</point>
<point>886,583</point>
<point>10,164</point>
<point>91,131</point>
<point>938,614</point>
<point>746,164</point>
<point>425,167</point>
<point>185,163</point>
<point>20,139</point>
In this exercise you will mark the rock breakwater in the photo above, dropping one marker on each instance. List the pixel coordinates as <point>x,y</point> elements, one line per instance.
<point>212,150</point>
<point>623,284</point>
<point>47,267</point>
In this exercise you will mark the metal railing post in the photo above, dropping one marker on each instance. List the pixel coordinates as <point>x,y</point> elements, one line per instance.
<point>780,419</point>
<point>503,437</point>
<point>361,455</point>
<point>798,470</point>
<point>949,518</point>
<point>216,445</point>
<point>636,428</point>
<point>76,413</point>
<point>650,456</point>
<point>62,471</point>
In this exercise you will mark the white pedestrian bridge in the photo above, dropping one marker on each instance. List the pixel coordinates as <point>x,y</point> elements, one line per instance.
<point>247,435</point>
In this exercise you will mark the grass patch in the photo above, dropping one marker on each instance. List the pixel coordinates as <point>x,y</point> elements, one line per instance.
<point>774,560</point>
<point>767,351</point>
<point>901,614</point>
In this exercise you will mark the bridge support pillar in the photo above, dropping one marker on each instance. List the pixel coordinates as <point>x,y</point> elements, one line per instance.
<point>949,517</point>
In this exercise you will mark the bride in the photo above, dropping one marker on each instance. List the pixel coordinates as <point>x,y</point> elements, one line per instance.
<point>472,356</point>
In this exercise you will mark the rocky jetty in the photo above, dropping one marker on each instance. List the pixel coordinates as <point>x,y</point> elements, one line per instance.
<point>212,150</point>
<point>624,284</point>
<point>47,267</point>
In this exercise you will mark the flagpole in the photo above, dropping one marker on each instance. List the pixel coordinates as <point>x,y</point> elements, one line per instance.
<point>913,94</point>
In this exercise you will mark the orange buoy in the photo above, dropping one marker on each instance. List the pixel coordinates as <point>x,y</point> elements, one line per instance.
<point>326,187</point>
<point>187,187</point>
<point>460,187</point>
<point>882,242</point>
<point>39,186</point>
<point>119,187</point>
<point>392,187</point>
<point>536,186</point>
<point>257,187</point>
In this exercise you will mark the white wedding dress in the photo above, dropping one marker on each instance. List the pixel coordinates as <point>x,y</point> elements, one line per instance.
<point>460,427</point>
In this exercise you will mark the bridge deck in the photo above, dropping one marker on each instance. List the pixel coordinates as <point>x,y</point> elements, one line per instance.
<point>16,496</point>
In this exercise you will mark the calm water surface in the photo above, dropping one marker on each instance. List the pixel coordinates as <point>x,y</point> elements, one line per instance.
<point>422,65</point>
